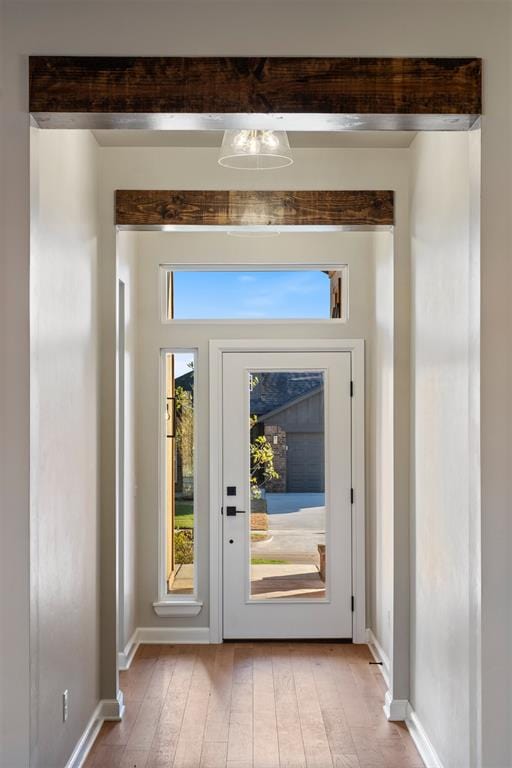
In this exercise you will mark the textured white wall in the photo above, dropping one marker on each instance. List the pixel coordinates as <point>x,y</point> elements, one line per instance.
<point>64,421</point>
<point>380,448</point>
<point>445,371</point>
<point>127,265</point>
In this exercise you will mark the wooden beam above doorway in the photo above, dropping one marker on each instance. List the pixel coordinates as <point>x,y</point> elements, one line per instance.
<point>186,209</point>
<point>260,92</point>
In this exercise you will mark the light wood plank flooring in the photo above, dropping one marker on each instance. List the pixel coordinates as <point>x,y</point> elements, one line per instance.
<point>253,705</point>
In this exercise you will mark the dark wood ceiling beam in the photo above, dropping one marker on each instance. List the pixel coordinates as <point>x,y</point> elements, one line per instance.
<point>161,209</point>
<point>295,93</point>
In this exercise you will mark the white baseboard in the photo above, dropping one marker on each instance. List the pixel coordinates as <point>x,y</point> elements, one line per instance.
<point>113,709</point>
<point>400,709</point>
<point>422,741</point>
<point>174,635</point>
<point>177,635</point>
<point>107,709</point>
<point>125,658</point>
<point>86,740</point>
<point>395,709</point>
<point>378,654</point>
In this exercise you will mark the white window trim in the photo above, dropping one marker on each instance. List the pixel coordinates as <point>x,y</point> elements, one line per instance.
<point>167,603</point>
<point>356,348</point>
<point>172,606</point>
<point>259,267</point>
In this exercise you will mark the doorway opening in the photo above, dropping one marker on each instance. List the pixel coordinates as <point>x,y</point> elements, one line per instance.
<point>291,421</point>
<point>388,614</point>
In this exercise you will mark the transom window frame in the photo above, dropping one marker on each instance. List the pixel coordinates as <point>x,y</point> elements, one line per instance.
<point>238,266</point>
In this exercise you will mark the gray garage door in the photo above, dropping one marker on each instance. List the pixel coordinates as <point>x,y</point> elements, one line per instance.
<point>305,462</point>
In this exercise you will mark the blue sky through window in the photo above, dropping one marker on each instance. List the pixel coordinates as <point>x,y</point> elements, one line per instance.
<point>183,362</point>
<point>248,295</point>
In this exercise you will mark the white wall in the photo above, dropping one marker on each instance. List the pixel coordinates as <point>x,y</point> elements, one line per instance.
<point>445,369</point>
<point>127,265</point>
<point>64,420</point>
<point>355,249</point>
<point>380,450</point>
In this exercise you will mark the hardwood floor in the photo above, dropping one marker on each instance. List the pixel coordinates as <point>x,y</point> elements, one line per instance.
<point>253,705</point>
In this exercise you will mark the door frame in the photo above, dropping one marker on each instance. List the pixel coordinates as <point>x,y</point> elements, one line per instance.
<point>120,460</point>
<point>356,349</point>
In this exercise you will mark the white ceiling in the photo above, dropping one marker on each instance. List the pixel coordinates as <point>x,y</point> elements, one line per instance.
<point>298,140</point>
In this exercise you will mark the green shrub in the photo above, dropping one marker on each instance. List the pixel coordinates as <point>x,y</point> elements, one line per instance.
<point>183,546</point>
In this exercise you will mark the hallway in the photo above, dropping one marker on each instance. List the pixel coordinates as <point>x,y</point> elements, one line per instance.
<point>253,705</point>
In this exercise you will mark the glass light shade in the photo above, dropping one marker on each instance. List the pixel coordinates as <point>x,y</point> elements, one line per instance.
<point>255,150</point>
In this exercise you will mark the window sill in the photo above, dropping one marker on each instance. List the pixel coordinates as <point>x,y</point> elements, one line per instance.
<point>177,607</point>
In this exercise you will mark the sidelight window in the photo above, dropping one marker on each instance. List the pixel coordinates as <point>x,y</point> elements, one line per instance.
<point>179,483</point>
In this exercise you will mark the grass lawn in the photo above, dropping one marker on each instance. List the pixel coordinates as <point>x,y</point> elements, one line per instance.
<point>184,514</point>
<point>267,561</point>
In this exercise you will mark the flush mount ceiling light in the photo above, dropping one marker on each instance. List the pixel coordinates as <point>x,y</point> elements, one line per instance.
<point>255,150</point>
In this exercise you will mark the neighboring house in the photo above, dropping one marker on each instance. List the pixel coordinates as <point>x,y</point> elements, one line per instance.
<point>290,410</point>
<point>184,447</point>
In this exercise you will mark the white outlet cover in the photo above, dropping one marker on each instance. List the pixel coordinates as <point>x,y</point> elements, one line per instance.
<point>65,705</point>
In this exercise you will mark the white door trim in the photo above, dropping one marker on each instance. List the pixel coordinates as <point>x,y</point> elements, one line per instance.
<point>120,458</point>
<point>356,348</point>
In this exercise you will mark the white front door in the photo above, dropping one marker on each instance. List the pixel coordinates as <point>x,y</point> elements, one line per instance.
<point>287,566</point>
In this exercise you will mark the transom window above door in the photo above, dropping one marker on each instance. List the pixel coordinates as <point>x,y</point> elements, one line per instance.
<point>255,293</point>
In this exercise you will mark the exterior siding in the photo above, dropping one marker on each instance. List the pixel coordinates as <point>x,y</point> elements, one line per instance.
<point>305,463</point>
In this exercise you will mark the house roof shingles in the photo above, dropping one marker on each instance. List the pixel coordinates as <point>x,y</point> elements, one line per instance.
<point>273,389</point>
<point>277,388</point>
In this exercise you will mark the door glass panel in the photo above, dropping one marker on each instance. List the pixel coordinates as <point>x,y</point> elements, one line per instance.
<point>287,481</point>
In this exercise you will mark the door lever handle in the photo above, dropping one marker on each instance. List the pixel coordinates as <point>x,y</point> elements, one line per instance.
<point>232,511</point>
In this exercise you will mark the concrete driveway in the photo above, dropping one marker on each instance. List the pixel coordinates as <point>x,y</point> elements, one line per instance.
<point>296,511</point>
<point>296,524</point>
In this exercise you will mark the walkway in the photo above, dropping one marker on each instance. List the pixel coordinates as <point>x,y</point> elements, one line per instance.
<point>254,705</point>
<point>296,523</point>
<point>290,581</point>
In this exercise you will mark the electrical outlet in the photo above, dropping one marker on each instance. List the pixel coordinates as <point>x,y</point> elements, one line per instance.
<point>65,705</point>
